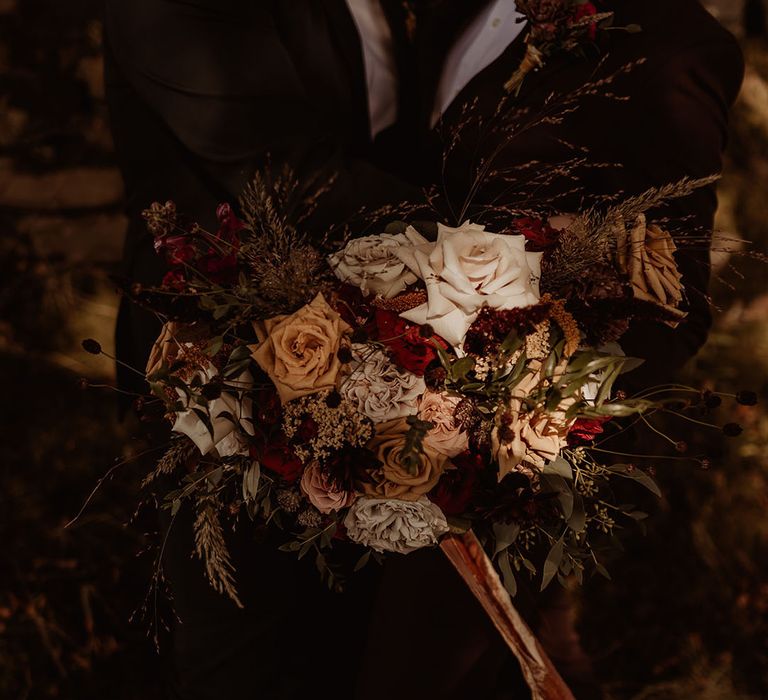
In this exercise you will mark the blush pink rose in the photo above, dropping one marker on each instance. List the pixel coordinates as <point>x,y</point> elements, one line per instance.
<point>321,492</point>
<point>446,437</point>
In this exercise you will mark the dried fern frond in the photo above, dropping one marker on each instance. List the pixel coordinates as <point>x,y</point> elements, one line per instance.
<point>212,550</point>
<point>175,456</point>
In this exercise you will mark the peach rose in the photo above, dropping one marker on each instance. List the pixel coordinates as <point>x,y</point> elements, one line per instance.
<point>321,492</point>
<point>300,352</point>
<point>393,479</point>
<point>446,437</point>
<point>170,344</point>
<point>524,438</point>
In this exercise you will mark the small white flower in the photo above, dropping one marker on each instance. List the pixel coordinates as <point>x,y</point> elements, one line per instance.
<point>378,388</point>
<point>389,525</point>
<point>466,269</point>
<point>372,264</point>
<point>226,438</point>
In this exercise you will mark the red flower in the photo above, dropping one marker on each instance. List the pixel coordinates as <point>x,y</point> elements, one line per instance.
<point>268,410</point>
<point>349,302</point>
<point>586,9</point>
<point>279,457</point>
<point>586,429</point>
<point>409,347</point>
<point>218,268</point>
<point>455,488</point>
<point>174,279</point>
<point>178,249</point>
<point>230,225</point>
<point>539,234</point>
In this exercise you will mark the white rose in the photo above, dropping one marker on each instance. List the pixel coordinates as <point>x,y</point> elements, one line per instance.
<point>234,401</point>
<point>466,269</point>
<point>372,264</point>
<point>389,525</point>
<point>378,388</point>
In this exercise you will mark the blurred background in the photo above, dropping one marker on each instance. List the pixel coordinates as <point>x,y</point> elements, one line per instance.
<point>686,614</point>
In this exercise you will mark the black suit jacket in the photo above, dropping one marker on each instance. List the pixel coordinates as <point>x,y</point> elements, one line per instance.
<point>201,91</point>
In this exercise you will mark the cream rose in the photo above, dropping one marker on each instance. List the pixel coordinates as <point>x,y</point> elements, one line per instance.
<point>388,525</point>
<point>446,437</point>
<point>371,263</point>
<point>393,478</point>
<point>300,352</point>
<point>466,269</point>
<point>378,388</point>
<point>227,435</point>
<point>321,492</point>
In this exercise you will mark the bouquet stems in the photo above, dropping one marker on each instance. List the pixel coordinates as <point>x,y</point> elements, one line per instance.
<point>470,560</point>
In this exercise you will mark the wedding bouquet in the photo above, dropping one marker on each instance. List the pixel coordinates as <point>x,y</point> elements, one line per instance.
<point>391,388</point>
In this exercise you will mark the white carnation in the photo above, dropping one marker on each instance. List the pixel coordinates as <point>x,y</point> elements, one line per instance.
<point>378,388</point>
<point>389,525</point>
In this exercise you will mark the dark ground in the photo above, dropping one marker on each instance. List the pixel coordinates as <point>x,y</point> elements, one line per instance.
<point>686,614</point>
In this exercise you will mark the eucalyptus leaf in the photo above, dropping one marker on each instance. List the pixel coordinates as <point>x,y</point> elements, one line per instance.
<point>578,520</point>
<point>505,535</point>
<point>552,564</point>
<point>507,575</point>
<point>251,478</point>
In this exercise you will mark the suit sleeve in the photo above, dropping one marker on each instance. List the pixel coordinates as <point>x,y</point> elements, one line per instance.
<point>221,82</point>
<point>681,131</point>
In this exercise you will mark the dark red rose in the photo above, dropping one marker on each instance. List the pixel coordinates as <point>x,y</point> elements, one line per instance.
<point>586,9</point>
<point>279,457</point>
<point>348,301</point>
<point>350,464</point>
<point>268,409</point>
<point>405,342</point>
<point>307,430</point>
<point>586,429</point>
<point>453,492</point>
<point>539,234</point>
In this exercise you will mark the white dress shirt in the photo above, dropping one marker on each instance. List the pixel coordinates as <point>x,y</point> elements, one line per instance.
<point>482,42</point>
<point>379,59</point>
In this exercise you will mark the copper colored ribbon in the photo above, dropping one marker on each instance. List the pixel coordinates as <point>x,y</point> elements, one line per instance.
<point>468,558</point>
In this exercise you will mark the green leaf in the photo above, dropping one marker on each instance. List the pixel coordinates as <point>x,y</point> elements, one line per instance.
<point>462,367</point>
<point>507,575</point>
<point>559,466</point>
<point>602,570</point>
<point>552,564</point>
<point>175,505</point>
<point>578,520</point>
<point>637,475</point>
<point>505,535</point>
<point>557,484</point>
<point>214,346</point>
<point>362,561</point>
<point>251,478</point>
